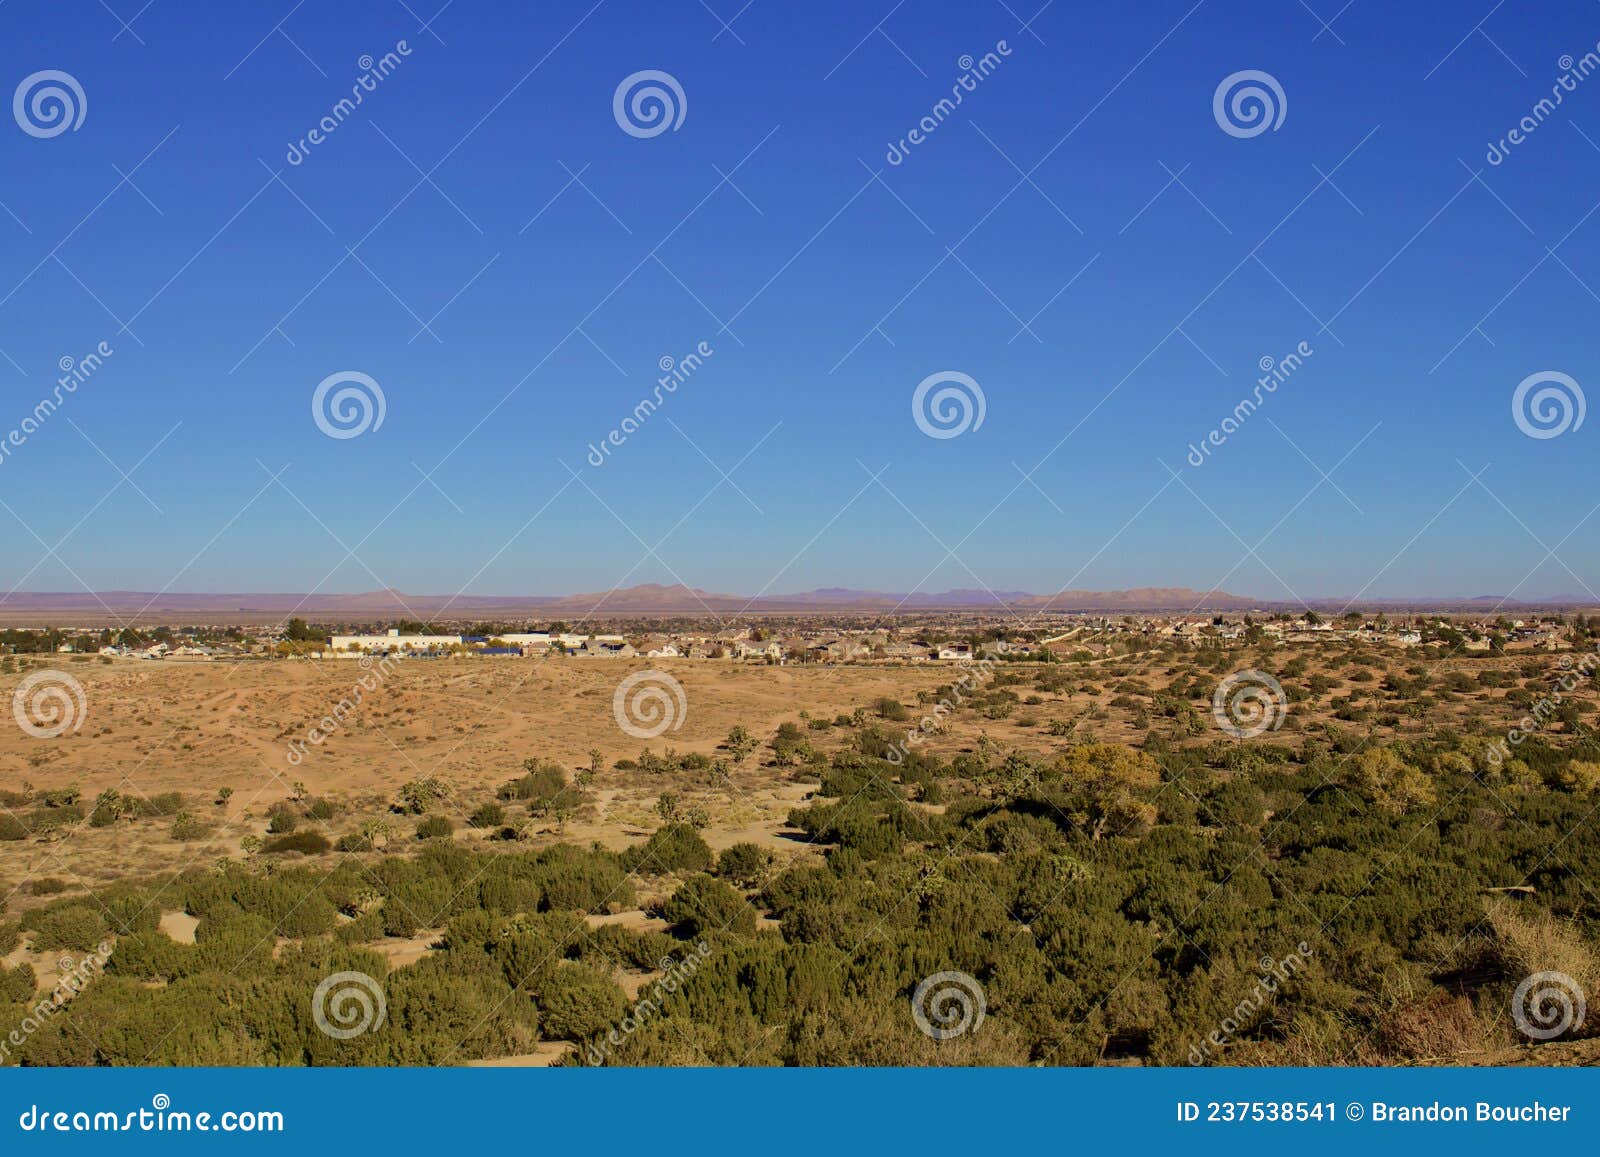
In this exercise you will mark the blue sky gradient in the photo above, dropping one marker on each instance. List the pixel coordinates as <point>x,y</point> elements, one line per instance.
<point>1111,313</point>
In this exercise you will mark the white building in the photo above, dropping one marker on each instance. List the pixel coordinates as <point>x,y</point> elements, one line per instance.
<point>392,640</point>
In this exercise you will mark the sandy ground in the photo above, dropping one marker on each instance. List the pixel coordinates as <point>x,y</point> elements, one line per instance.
<point>544,1054</point>
<point>158,727</point>
<point>195,728</point>
<point>179,926</point>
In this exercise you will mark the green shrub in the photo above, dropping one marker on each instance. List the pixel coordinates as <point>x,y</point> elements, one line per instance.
<point>354,842</point>
<point>363,929</point>
<point>17,985</point>
<point>151,956</point>
<point>490,815</point>
<point>577,1002</point>
<point>166,804</point>
<point>704,905</point>
<point>576,880</point>
<point>892,709</point>
<point>187,828</point>
<point>308,843</point>
<point>235,942</point>
<point>745,865</point>
<point>76,926</point>
<point>544,788</point>
<point>671,848</point>
<point>508,896</point>
<point>281,821</point>
<point>435,828</point>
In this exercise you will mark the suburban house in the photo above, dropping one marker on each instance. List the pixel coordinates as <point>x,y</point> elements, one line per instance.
<point>607,647</point>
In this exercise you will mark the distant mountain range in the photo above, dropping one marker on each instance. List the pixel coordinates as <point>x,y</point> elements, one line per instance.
<point>656,599</point>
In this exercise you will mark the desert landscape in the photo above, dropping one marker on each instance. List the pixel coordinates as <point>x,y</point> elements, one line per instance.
<point>496,835</point>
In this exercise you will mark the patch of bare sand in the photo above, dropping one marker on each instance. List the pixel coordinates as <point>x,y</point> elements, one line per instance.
<point>544,1054</point>
<point>179,926</point>
<point>633,921</point>
<point>401,952</point>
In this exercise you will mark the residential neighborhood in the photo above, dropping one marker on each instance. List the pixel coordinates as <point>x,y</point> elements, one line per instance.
<point>945,637</point>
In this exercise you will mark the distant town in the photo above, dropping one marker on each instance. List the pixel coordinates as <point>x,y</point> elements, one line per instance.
<point>940,637</point>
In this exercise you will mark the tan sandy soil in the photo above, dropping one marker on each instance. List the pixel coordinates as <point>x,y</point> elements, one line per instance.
<point>154,727</point>
<point>179,926</point>
<point>543,1055</point>
<point>401,952</point>
<point>634,920</point>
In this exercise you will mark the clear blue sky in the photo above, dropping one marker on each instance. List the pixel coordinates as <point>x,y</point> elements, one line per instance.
<point>1355,226</point>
